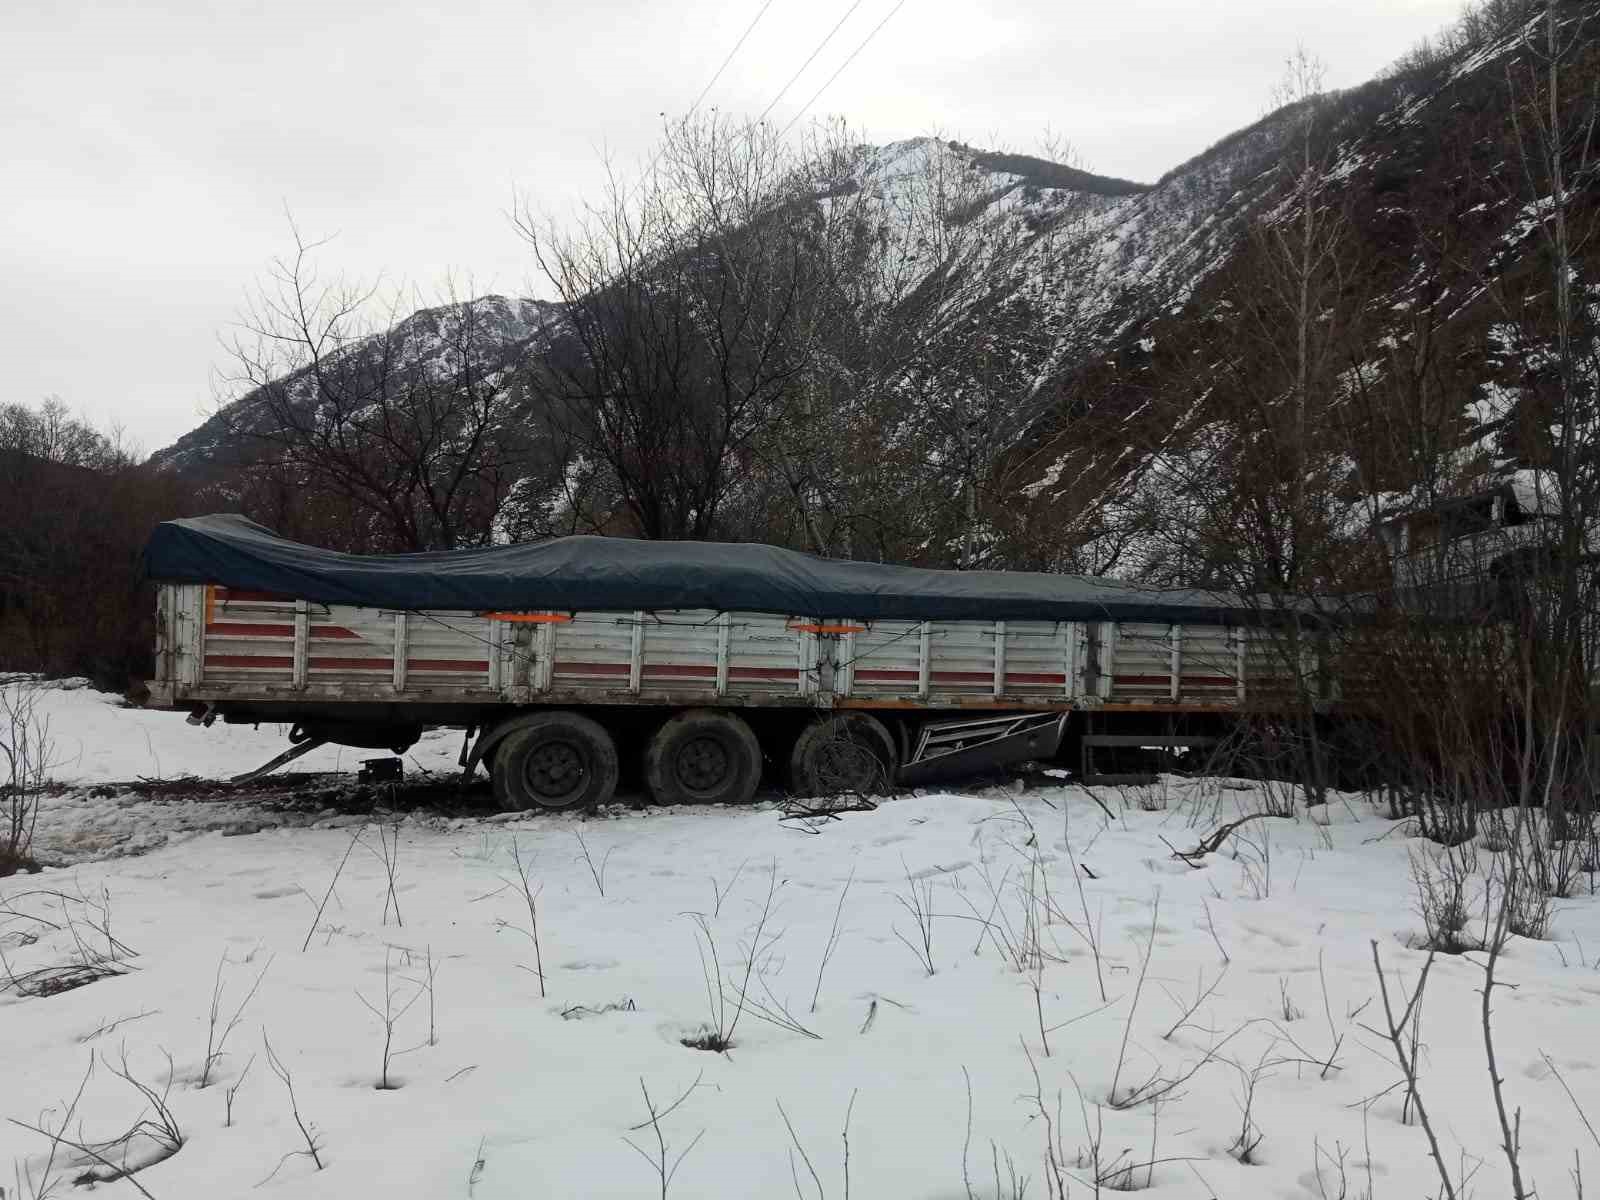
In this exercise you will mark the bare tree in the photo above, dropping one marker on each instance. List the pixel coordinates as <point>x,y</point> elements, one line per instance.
<point>73,597</point>
<point>416,425</point>
<point>681,293</point>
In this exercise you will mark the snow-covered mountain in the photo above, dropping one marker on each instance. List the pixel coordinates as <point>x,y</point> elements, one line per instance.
<point>1140,298</point>
<point>493,331</point>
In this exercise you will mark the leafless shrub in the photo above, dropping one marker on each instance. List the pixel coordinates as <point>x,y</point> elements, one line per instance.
<point>28,751</point>
<point>1526,883</point>
<point>1091,1165</point>
<point>46,1183</point>
<point>834,934</point>
<point>108,1026</point>
<point>1087,928</point>
<point>53,980</point>
<point>1510,1123</point>
<point>1494,833</point>
<point>774,1011</point>
<point>86,920</point>
<point>389,1016</point>
<point>1150,797</point>
<point>597,873</point>
<point>217,1040</point>
<point>430,971</point>
<point>530,897</point>
<point>1019,915</point>
<point>728,998</point>
<point>579,1012</point>
<point>1202,993</point>
<point>1211,925</point>
<point>1116,1098</point>
<point>332,883</point>
<point>1049,1117</point>
<point>153,1138</point>
<point>1253,853</point>
<point>660,1158</point>
<point>1249,1137</point>
<point>388,853</point>
<point>314,1148</point>
<point>1442,879</point>
<point>1286,1006</point>
<point>1405,1051</point>
<point>917,901</point>
<point>232,1091</point>
<point>1576,1107</point>
<point>1014,1185</point>
<point>811,1170</point>
<point>720,893</point>
<point>1332,1174</point>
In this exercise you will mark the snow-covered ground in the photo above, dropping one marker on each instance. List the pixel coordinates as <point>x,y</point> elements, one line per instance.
<point>944,1077</point>
<point>99,739</point>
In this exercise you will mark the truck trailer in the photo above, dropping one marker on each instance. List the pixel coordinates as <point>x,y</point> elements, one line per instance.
<point>713,665</point>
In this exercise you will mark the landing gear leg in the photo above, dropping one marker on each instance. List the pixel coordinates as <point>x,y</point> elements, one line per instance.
<point>289,755</point>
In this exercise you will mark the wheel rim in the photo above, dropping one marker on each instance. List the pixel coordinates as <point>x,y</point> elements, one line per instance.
<point>702,764</point>
<point>555,771</point>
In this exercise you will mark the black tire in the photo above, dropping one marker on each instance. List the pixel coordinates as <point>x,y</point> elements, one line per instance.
<point>557,760</point>
<point>703,756</point>
<point>847,753</point>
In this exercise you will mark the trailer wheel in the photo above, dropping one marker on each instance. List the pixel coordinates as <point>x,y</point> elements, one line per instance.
<point>848,753</point>
<point>556,760</point>
<point>703,756</point>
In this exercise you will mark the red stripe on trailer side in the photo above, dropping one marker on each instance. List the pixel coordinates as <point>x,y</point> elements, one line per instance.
<point>885,673</point>
<point>590,668</point>
<point>1034,677</point>
<point>251,629</point>
<point>696,669</point>
<point>962,677</point>
<point>274,662</point>
<point>329,663</point>
<point>1221,681</point>
<point>241,629</point>
<point>1143,680</point>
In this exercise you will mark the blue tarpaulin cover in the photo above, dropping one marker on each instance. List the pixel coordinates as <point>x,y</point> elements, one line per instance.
<point>601,573</point>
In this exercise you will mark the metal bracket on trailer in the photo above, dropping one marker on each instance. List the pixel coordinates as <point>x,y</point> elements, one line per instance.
<point>948,748</point>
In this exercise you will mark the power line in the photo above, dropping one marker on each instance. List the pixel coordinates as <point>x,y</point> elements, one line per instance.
<point>749,29</point>
<point>842,66</point>
<point>820,47</point>
<point>743,37</point>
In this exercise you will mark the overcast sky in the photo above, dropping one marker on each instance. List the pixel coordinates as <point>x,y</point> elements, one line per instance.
<point>152,147</point>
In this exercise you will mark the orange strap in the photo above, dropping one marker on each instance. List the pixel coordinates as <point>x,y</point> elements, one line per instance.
<point>814,628</point>
<point>527,618</point>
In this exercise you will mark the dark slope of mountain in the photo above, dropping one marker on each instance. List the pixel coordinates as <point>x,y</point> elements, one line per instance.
<point>1040,172</point>
<point>1429,365</point>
